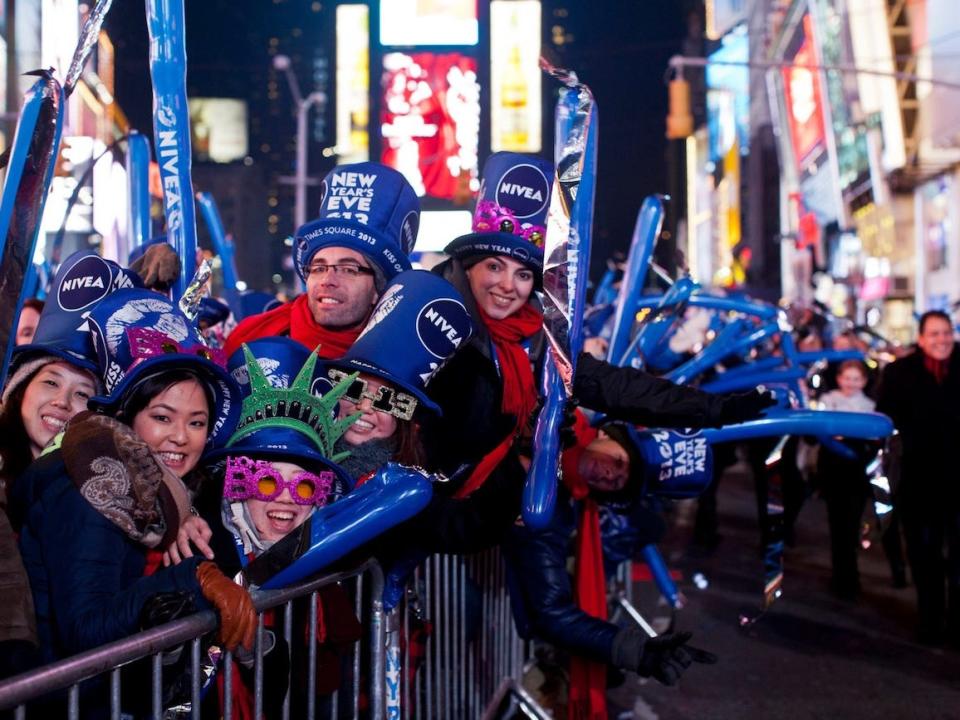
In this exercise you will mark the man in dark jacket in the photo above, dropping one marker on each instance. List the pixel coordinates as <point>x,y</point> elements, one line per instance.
<point>604,469</point>
<point>921,394</point>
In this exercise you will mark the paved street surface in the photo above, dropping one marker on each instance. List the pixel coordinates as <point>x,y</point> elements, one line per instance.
<point>811,655</point>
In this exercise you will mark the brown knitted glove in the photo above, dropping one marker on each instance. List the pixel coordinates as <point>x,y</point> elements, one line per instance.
<point>238,617</point>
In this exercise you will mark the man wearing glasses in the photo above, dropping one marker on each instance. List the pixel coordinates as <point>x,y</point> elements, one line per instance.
<point>367,227</point>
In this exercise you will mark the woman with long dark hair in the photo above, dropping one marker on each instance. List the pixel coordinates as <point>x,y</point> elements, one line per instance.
<point>91,509</point>
<point>52,376</point>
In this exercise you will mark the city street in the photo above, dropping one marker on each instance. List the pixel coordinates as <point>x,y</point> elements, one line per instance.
<point>811,655</point>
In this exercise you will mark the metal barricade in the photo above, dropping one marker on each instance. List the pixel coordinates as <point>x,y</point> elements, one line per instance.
<point>472,647</point>
<point>108,659</point>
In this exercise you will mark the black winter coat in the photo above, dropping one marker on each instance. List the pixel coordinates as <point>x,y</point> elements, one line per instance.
<point>469,391</point>
<point>541,589</point>
<point>85,572</point>
<point>927,415</point>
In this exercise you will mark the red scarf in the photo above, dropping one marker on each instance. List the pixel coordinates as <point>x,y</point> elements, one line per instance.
<point>296,320</point>
<point>588,679</point>
<point>937,368</point>
<point>519,388</point>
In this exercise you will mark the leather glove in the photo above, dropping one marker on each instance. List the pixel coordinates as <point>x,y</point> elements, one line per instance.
<point>158,267</point>
<point>740,407</point>
<point>663,658</point>
<point>238,617</point>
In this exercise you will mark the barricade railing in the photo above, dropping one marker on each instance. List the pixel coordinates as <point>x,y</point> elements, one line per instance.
<point>462,605</point>
<point>450,651</point>
<point>69,674</point>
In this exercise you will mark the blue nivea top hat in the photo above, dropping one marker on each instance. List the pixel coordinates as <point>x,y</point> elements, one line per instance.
<point>138,334</point>
<point>83,280</point>
<point>289,408</point>
<point>511,214</point>
<point>418,324</point>
<point>367,207</point>
<point>674,464</point>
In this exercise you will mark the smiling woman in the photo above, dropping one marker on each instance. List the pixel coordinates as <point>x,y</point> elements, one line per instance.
<point>172,412</point>
<point>91,509</point>
<point>37,408</point>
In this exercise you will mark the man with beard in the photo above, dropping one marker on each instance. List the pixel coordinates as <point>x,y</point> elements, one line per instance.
<point>367,227</point>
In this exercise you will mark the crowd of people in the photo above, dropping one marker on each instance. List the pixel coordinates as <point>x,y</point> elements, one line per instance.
<point>144,469</point>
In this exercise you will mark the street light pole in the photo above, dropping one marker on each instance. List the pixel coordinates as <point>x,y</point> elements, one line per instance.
<point>300,179</point>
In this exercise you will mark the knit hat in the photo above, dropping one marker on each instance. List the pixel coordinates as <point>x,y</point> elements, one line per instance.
<point>367,207</point>
<point>511,214</point>
<point>138,334</point>
<point>429,314</point>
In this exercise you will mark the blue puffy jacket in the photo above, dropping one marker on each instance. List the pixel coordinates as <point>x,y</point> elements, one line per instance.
<point>86,574</point>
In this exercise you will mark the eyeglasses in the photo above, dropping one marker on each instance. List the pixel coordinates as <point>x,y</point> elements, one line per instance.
<point>347,270</point>
<point>247,478</point>
<point>385,399</point>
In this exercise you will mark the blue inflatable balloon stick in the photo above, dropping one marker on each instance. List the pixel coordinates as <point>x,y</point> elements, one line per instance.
<point>645,233</point>
<point>138,186</point>
<point>566,265</point>
<point>171,130</point>
<point>394,494</point>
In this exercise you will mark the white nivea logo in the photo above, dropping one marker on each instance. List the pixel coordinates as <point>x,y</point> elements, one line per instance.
<point>441,327</point>
<point>87,282</point>
<point>525,190</point>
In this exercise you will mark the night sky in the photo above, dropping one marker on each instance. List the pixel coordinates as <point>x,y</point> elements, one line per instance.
<point>619,49</point>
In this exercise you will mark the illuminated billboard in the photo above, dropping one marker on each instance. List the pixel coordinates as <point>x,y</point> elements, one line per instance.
<point>841,97</point>
<point>728,94</point>
<point>59,34</point>
<point>439,227</point>
<point>430,120</point>
<point>428,22</point>
<point>514,66</point>
<point>804,101</point>
<point>218,129</point>
<point>872,50</point>
<point>353,83</point>
<point>721,15</point>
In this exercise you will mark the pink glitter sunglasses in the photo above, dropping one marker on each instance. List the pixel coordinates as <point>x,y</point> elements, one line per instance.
<point>247,478</point>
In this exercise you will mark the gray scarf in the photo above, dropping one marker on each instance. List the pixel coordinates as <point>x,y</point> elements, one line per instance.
<point>368,457</point>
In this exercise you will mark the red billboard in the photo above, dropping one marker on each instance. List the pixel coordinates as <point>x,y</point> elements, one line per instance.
<point>430,120</point>
<point>804,102</point>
